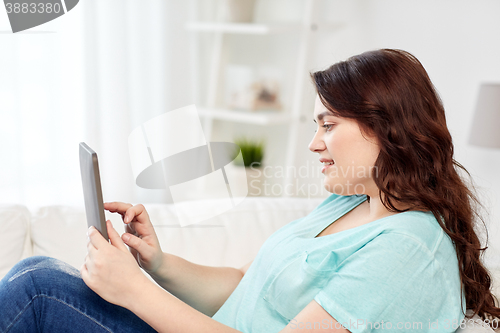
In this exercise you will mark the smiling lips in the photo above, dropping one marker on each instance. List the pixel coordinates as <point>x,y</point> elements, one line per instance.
<point>326,164</point>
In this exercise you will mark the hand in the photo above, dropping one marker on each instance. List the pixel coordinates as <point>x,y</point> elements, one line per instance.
<point>110,269</point>
<point>140,235</point>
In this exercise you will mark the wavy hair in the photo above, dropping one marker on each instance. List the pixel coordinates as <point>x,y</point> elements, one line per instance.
<point>390,95</point>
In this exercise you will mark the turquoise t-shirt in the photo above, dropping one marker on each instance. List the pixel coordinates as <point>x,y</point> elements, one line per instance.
<point>398,273</point>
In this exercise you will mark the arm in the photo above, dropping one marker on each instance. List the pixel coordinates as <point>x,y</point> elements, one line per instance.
<point>167,314</point>
<point>311,314</point>
<point>111,271</point>
<point>204,288</point>
<point>107,264</point>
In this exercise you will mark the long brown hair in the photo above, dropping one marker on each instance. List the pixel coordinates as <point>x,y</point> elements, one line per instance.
<point>390,95</point>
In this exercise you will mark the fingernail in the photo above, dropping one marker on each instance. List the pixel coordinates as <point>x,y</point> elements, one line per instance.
<point>126,238</point>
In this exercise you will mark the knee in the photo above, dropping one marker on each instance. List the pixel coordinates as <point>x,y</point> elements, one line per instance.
<point>27,263</point>
<point>33,265</point>
<point>38,276</point>
<point>32,261</point>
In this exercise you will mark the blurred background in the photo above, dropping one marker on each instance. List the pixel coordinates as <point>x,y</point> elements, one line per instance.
<point>106,67</point>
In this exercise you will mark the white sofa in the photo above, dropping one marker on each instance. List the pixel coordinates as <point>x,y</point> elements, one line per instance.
<point>230,239</point>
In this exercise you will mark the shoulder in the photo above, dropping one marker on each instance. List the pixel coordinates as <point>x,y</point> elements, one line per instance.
<point>416,224</point>
<point>420,229</point>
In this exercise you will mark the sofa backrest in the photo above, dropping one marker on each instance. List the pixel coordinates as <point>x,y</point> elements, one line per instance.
<point>229,239</point>
<point>14,226</point>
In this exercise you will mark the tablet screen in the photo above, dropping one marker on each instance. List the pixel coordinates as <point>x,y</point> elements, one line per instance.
<point>92,192</point>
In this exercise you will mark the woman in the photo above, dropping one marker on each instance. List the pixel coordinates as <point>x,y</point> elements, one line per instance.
<point>392,248</point>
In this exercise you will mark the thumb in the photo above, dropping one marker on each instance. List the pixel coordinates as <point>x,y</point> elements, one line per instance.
<point>133,241</point>
<point>115,238</point>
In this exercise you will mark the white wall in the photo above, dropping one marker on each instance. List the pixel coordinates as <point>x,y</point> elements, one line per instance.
<point>41,108</point>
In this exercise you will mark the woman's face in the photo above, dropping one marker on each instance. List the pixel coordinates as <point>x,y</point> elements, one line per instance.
<point>340,141</point>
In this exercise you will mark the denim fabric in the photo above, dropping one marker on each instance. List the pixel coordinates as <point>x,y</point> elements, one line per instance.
<point>42,294</point>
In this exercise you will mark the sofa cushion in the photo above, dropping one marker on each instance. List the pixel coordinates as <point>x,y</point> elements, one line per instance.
<point>14,223</point>
<point>60,232</point>
<point>229,239</point>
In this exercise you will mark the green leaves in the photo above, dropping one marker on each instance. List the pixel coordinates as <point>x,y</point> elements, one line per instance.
<point>251,151</point>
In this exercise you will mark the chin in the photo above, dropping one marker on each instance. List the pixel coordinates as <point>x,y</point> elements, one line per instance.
<point>346,188</point>
<point>336,189</point>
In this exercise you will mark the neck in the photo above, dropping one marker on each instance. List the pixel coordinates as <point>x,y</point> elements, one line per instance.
<point>376,209</point>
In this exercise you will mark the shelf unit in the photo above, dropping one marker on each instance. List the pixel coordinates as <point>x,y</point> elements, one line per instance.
<point>242,28</point>
<point>255,118</point>
<point>208,109</point>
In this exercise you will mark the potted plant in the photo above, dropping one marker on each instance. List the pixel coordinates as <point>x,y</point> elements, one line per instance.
<point>252,153</point>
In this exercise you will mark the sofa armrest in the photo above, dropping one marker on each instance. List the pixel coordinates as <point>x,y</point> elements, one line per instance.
<point>14,223</point>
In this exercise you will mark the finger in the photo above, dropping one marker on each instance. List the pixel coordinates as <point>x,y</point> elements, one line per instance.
<point>117,207</point>
<point>90,248</point>
<point>137,212</point>
<point>115,238</point>
<point>96,238</point>
<point>87,261</point>
<point>84,272</point>
<point>135,243</point>
<point>87,264</point>
<point>130,229</point>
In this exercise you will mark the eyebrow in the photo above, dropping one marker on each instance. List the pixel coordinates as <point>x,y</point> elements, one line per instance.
<point>323,114</point>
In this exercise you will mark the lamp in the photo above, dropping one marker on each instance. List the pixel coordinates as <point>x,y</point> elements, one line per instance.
<point>485,130</point>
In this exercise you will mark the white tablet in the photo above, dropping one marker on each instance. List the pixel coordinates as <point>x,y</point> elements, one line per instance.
<point>92,191</point>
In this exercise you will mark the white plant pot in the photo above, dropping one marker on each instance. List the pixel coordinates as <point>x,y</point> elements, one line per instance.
<point>254,181</point>
<point>237,10</point>
<point>252,178</point>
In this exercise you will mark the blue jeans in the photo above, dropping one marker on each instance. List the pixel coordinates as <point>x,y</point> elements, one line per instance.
<point>42,294</point>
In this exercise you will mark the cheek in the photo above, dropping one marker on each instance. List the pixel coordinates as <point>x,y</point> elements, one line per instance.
<point>346,152</point>
<point>364,162</point>
<point>353,159</point>
<point>338,147</point>
<point>371,153</point>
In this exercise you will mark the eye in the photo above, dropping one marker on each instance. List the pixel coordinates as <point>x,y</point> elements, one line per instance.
<point>328,127</point>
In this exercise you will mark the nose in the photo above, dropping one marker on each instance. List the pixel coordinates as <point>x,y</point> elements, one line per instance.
<point>317,144</point>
